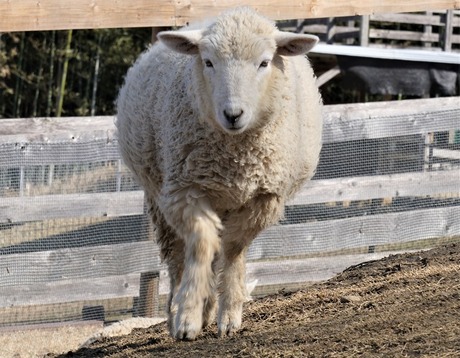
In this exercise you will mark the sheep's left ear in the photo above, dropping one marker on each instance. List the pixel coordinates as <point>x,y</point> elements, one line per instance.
<point>290,44</point>
<point>185,42</point>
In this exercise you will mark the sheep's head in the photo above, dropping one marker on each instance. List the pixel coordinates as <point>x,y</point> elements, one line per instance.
<point>235,59</point>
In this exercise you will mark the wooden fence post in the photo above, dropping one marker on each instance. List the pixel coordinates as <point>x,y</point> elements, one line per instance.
<point>149,294</point>
<point>447,46</point>
<point>148,305</point>
<point>364,31</point>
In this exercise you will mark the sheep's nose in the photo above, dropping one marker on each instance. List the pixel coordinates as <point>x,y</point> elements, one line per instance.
<point>232,116</point>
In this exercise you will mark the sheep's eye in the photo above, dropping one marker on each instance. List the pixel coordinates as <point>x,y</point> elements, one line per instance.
<point>264,63</point>
<point>208,63</point>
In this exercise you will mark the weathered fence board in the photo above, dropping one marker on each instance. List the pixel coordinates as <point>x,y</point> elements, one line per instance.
<point>30,15</point>
<point>420,19</point>
<point>341,123</point>
<point>389,119</point>
<point>389,54</point>
<point>79,263</point>
<point>36,153</point>
<point>378,186</point>
<point>279,272</point>
<point>436,31</point>
<point>277,242</point>
<point>34,208</point>
<point>295,271</point>
<point>47,207</point>
<point>71,291</point>
<point>45,130</point>
<point>363,231</point>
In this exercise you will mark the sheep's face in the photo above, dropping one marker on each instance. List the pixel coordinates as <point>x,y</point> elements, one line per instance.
<point>235,71</point>
<point>235,83</point>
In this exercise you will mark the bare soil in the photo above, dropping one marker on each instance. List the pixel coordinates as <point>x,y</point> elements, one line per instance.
<point>401,306</point>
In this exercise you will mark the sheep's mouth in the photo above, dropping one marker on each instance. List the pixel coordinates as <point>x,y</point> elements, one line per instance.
<point>235,129</point>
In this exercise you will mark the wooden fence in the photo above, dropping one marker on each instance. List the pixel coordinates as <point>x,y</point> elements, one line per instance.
<point>33,15</point>
<point>434,30</point>
<point>284,255</point>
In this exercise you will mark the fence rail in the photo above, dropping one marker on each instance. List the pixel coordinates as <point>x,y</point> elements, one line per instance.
<point>425,30</point>
<point>32,15</point>
<point>283,254</point>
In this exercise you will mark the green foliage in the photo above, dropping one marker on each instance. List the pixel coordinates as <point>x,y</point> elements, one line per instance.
<point>33,65</point>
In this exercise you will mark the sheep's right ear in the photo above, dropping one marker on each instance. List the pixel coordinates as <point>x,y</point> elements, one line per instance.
<point>185,42</point>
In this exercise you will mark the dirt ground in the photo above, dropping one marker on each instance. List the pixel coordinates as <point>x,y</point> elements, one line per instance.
<point>401,306</point>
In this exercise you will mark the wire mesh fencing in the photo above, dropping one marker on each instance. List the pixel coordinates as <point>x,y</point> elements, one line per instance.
<point>76,243</point>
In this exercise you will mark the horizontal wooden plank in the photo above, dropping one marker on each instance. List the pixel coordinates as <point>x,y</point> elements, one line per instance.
<point>79,263</point>
<point>307,270</point>
<point>295,271</point>
<point>332,235</point>
<point>403,35</point>
<point>277,242</point>
<point>421,19</point>
<point>279,272</point>
<point>30,15</point>
<point>345,122</point>
<point>46,207</point>
<point>51,129</point>
<point>389,53</point>
<point>379,186</point>
<point>446,153</point>
<point>341,123</point>
<point>70,291</point>
<point>16,155</point>
<point>25,208</point>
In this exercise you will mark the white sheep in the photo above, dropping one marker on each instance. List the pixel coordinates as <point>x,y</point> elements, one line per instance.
<point>221,125</point>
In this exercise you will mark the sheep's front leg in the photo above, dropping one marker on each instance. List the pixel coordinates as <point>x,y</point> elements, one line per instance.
<point>240,229</point>
<point>232,289</point>
<point>194,220</point>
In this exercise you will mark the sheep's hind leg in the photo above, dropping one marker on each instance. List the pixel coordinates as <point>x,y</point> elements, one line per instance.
<point>172,252</point>
<point>199,226</point>
<point>175,262</point>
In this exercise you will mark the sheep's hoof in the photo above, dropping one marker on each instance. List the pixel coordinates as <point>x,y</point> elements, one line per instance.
<point>187,332</point>
<point>188,324</point>
<point>229,329</point>
<point>230,322</point>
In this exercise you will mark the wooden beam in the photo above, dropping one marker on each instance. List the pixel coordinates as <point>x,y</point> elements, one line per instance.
<point>70,291</point>
<point>79,263</point>
<point>279,241</point>
<point>33,15</point>
<point>316,191</point>
<point>306,270</point>
<point>296,271</point>
<point>327,76</point>
<point>363,231</point>
<point>345,122</point>
<point>273,272</point>
<point>341,123</point>
<point>391,53</point>
<point>380,186</point>
<point>364,31</point>
<point>60,206</point>
<point>448,36</point>
<point>45,129</point>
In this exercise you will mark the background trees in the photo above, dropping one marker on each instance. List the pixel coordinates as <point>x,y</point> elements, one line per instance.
<point>54,73</point>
